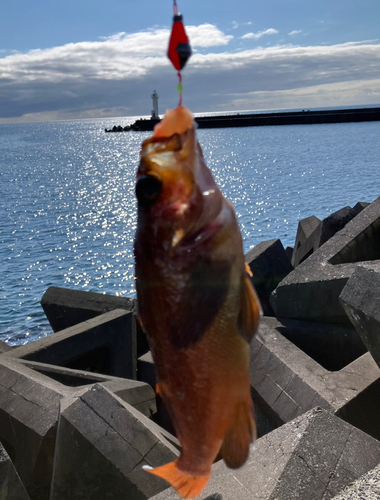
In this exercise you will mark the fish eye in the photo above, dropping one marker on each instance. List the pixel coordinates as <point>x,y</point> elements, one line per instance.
<point>148,189</point>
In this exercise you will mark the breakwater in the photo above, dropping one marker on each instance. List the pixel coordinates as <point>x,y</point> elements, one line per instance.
<point>80,413</point>
<point>304,117</point>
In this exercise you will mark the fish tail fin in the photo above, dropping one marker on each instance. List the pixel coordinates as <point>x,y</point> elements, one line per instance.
<point>241,433</point>
<point>187,485</point>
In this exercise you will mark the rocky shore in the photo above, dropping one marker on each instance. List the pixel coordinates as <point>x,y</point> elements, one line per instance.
<point>79,416</point>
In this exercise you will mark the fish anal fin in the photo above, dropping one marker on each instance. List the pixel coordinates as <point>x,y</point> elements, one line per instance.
<point>250,309</point>
<point>187,485</point>
<point>241,433</point>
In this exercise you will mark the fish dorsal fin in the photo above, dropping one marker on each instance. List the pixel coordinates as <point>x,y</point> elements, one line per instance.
<point>250,309</point>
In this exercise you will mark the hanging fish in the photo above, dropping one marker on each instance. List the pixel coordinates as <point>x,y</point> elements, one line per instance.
<point>196,303</point>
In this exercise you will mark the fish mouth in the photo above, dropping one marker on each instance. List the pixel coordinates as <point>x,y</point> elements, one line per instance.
<point>160,145</point>
<point>165,177</point>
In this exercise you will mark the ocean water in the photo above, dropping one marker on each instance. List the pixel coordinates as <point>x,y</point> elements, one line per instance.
<point>68,210</point>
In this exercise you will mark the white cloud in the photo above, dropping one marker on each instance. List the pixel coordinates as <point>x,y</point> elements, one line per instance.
<point>235,25</point>
<point>205,35</point>
<point>117,57</point>
<point>326,95</point>
<point>294,32</point>
<point>118,75</point>
<point>259,34</point>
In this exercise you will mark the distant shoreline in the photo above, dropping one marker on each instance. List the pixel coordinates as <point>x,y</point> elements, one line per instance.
<point>304,117</point>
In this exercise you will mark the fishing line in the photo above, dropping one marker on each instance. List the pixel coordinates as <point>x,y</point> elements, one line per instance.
<point>180,87</point>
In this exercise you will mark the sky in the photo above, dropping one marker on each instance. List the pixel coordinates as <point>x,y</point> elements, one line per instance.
<point>73,59</point>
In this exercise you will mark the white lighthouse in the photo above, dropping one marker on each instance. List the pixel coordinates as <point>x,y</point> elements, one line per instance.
<point>155,104</point>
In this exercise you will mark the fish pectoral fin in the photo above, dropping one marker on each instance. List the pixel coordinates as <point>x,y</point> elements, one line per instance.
<point>241,433</point>
<point>248,270</point>
<point>186,485</point>
<point>250,309</point>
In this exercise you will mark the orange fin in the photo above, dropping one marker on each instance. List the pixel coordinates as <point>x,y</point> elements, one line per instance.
<point>186,485</point>
<point>248,270</point>
<point>250,309</point>
<point>242,431</point>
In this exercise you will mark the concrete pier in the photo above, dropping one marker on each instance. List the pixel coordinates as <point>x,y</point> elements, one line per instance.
<point>304,117</point>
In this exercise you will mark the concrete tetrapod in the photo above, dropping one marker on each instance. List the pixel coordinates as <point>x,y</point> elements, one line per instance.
<point>313,233</point>
<point>30,394</point>
<point>65,307</point>
<point>269,265</point>
<point>361,301</point>
<point>105,344</point>
<point>11,487</point>
<point>305,245</point>
<point>102,444</point>
<point>311,292</point>
<point>313,457</point>
<point>366,487</point>
<point>289,382</point>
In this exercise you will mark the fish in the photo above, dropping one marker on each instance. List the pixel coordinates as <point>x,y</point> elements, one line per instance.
<point>196,303</point>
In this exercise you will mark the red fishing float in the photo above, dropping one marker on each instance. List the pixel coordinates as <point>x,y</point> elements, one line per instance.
<point>179,49</point>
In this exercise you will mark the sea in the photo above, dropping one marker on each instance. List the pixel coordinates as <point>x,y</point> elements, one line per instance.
<point>68,210</point>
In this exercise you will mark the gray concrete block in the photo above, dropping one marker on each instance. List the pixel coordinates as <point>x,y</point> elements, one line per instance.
<point>65,307</point>
<point>303,245</point>
<point>269,265</point>
<point>30,395</point>
<point>305,229</point>
<point>291,382</point>
<point>4,347</point>
<point>312,457</point>
<point>145,369</point>
<point>11,487</point>
<point>361,299</point>
<point>361,205</point>
<point>28,417</point>
<point>289,252</point>
<point>102,444</point>
<point>138,394</point>
<point>313,233</point>
<point>335,222</point>
<point>105,344</point>
<point>311,292</point>
<point>146,373</point>
<point>366,487</point>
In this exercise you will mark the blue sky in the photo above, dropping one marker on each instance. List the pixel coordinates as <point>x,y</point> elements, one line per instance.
<point>82,59</point>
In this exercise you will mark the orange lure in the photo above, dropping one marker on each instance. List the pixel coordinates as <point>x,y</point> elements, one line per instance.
<point>196,303</point>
